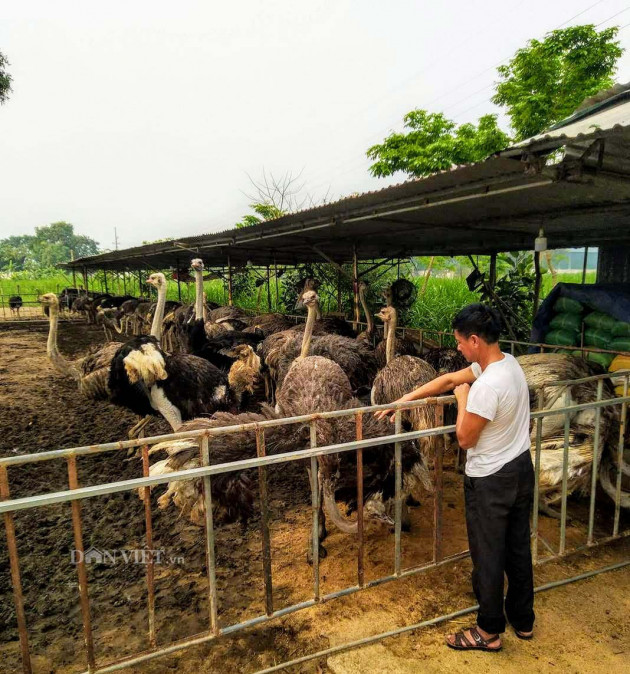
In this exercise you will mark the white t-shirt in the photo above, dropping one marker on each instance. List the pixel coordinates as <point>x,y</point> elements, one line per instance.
<point>499,394</point>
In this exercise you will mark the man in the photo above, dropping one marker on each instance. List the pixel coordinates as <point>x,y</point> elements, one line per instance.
<point>493,427</point>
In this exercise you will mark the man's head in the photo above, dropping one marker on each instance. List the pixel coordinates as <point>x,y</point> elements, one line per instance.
<point>477,328</point>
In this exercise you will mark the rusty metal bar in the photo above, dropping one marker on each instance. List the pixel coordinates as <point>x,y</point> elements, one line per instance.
<point>358,419</point>
<point>14,562</point>
<point>210,554</point>
<point>439,486</point>
<point>148,521</point>
<point>264,522</point>
<point>398,494</point>
<point>565,476</point>
<point>315,507</point>
<point>77,528</point>
<point>622,434</point>
<point>594,469</point>
<point>539,422</point>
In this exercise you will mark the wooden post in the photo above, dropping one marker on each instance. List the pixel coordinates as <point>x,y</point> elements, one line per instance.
<point>339,305</point>
<point>493,270</point>
<point>230,298</point>
<point>124,275</point>
<point>537,282</point>
<point>268,289</point>
<point>179,285</point>
<point>427,274</point>
<point>85,280</point>
<point>584,264</point>
<point>355,288</point>
<point>275,273</point>
<point>74,271</point>
<point>105,278</point>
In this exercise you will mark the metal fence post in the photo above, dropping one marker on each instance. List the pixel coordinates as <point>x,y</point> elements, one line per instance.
<point>264,522</point>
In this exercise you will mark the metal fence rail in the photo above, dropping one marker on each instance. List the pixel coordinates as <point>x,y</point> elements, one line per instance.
<point>76,493</point>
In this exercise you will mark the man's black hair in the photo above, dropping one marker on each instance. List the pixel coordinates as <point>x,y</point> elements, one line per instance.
<point>478,319</point>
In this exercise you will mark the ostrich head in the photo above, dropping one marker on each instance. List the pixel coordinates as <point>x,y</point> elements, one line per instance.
<point>386,314</point>
<point>158,279</point>
<point>49,300</point>
<point>310,299</point>
<point>197,264</point>
<point>240,351</point>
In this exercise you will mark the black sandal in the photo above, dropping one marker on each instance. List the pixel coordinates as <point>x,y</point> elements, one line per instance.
<point>523,636</point>
<point>462,643</point>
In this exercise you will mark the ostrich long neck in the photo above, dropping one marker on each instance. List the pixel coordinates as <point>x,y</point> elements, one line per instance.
<point>390,346</point>
<point>308,330</point>
<point>366,311</point>
<point>198,294</point>
<point>156,326</point>
<point>57,360</point>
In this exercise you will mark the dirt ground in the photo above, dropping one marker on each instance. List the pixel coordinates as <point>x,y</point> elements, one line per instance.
<point>581,627</point>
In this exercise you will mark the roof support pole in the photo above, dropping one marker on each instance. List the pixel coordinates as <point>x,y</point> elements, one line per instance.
<point>537,282</point>
<point>230,298</point>
<point>139,282</point>
<point>275,273</point>
<point>355,288</point>
<point>268,289</point>
<point>85,280</point>
<point>74,271</point>
<point>179,283</point>
<point>124,275</point>
<point>105,278</point>
<point>493,269</point>
<point>339,309</point>
<point>584,264</point>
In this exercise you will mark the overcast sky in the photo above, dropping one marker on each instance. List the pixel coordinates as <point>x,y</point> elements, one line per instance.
<point>148,115</point>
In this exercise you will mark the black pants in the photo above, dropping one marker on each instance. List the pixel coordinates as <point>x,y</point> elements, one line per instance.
<point>497,518</point>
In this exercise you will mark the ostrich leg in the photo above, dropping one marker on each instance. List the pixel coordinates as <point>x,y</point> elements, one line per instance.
<point>322,533</point>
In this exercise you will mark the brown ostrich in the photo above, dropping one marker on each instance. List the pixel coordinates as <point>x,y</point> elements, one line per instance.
<point>401,346</point>
<point>355,359</point>
<point>245,376</point>
<point>400,375</point>
<point>367,336</point>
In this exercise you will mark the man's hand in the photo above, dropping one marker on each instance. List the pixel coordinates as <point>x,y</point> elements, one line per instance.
<point>461,393</point>
<point>383,414</point>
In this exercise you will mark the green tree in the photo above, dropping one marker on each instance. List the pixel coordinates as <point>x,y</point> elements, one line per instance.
<point>547,80</point>
<point>5,80</point>
<point>434,143</point>
<point>47,247</point>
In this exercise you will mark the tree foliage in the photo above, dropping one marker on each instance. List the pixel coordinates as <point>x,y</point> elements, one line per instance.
<point>47,247</point>
<point>5,80</point>
<point>434,143</point>
<point>547,80</point>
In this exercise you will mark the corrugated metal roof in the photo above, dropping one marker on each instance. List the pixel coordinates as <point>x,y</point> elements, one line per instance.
<point>495,205</point>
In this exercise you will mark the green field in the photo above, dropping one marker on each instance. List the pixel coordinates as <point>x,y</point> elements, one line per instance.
<point>433,311</point>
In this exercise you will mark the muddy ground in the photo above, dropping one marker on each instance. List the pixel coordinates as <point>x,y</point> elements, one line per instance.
<point>41,410</point>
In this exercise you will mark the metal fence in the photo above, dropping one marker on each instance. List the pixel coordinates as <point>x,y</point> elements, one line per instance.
<point>76,493</point>
<point>29,309</point>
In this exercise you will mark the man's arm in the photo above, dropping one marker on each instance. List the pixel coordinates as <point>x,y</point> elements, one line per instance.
<point>468,426</point>
<point>442,384</point>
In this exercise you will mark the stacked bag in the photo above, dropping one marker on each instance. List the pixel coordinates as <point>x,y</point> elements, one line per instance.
<point>565,327</point>
<point>601,331</point>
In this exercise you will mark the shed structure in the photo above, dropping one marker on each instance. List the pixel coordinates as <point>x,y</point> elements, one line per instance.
<point>573,181</point>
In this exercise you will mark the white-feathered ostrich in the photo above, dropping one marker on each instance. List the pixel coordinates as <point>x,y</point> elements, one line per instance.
<point>400,375</point>
<point>178,386</point>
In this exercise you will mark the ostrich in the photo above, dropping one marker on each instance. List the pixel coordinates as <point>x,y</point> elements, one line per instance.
<point>91,372</point>
<point>543,370</point>
<point>368,334</point>
<point>400,375</point>
<point>15,304</point>
<point>108,318</point>
<point>355,359</point>
<point>179,386</point>
<point>313,384</point>
<point>400,346</point>
<point>268,324</point>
